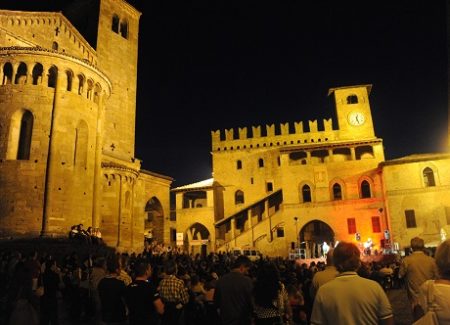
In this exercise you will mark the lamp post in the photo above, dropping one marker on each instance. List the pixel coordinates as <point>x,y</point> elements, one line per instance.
<point>296,232</point>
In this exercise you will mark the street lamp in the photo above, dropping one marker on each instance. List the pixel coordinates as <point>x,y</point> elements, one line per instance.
<point>296,231</point>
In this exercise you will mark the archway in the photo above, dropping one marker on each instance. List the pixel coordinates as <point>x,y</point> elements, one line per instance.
<point>198,239</point>
<point>313,235</point>
<point>154,222</point>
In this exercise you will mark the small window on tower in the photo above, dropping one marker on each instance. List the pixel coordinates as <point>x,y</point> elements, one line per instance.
<point>352,99</point>
<point>239,164</point>
<point>115,24</point>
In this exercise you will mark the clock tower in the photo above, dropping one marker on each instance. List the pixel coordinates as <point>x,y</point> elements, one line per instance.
<point>353,112</point>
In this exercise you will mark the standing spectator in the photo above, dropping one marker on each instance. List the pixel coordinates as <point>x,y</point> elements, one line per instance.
<point>322,277</point>
<point>416,269</point>
<point>234,293</point>
<point>349,298</point>
<point>98,273</point>
<point>440,287</point>
<point>112,295</point>
<point>34,268</point>
<point>143,300</point>
<point>49,301</point>
<point>270,297</point>
<point>174,294</point>
<point>123,263</point>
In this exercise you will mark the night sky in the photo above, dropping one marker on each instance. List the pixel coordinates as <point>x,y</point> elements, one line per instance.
<point>210,65</point>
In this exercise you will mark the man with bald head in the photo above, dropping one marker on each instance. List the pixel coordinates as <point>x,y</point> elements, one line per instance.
<point>349,298</point>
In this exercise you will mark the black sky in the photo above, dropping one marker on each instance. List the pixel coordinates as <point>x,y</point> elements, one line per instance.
<point>208,65</point>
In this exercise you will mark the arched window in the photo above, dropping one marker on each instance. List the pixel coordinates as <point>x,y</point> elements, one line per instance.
<point>261,162</point>
<point>428,177</point>
<point>115,24</point>
<point>21,75</point>
<point>97,93</point>
<point>90,89</point>
<point>81,145</point>
<point>352,99</point>
<point>80,84</point>
<point>365,190</point>
<point>238,164</point>
<point>239,197</point>
<point>55,46</point>
<point>124,29</point>
<point>26,130</point>
<point>52,76</point>
<point>337,192</point>
<point>69,75</point>
<point>306,193</point>
<point>7,74</point>
<point>37,73</point>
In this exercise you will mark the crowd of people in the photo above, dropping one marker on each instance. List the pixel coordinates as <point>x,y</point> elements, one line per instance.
<point>90,235</point>
<point>169,287</point>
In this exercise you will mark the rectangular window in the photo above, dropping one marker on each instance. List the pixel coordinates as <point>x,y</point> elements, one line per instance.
<point>410,216</point>
<point>173,234</point>
<point>269,186</point>
<point>351,225</point>
<point>376,224</point>
<point>280,232</point>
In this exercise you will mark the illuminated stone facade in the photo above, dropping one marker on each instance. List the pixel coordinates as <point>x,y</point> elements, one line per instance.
<point>418,197</point>
<point>67,129</point>
<point>277,186</point>
<point>298,187</point>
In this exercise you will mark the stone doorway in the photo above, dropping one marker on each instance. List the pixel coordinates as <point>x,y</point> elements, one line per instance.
<point>313,235</point>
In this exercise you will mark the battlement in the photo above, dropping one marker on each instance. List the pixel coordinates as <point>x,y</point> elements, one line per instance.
<point>271,135</point>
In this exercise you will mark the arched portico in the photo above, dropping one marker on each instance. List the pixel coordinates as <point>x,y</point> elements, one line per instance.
<point>154,221</point>
<point>198,239</point>
<point>313,235</point>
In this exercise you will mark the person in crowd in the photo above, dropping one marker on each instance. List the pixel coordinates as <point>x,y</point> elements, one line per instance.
<point>299,315</point>
<point>349,298</point>
<point>416,269</point>
<point>324,276</point>
<point>440,287</point>
<point>73,233</point>
<point>210,309</point>
<point>51,280</point>
<point>21,307</point>
<point>174,295</point>
<point>123,263</point>
<point>144,303</point>
<point>112,295</point>
<point>34,267</point>
<point>234,294</point>
<point>271,302</point>
<point>98,273</point>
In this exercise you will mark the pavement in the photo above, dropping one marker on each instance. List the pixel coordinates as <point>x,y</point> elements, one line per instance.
<point>400,306</point>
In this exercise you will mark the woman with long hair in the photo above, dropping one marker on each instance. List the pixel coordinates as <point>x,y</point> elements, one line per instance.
<point>271,302</point>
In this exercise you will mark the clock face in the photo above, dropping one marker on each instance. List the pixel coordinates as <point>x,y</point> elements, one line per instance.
<point>356,118</point>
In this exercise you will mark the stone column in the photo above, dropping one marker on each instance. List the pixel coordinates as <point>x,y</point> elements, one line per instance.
<point>97,186</point>
<point>51,163</point>
<point>232,229</point>
<point>249,218</point>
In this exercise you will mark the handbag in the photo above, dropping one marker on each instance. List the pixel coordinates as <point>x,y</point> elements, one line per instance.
<point>430,317</point>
